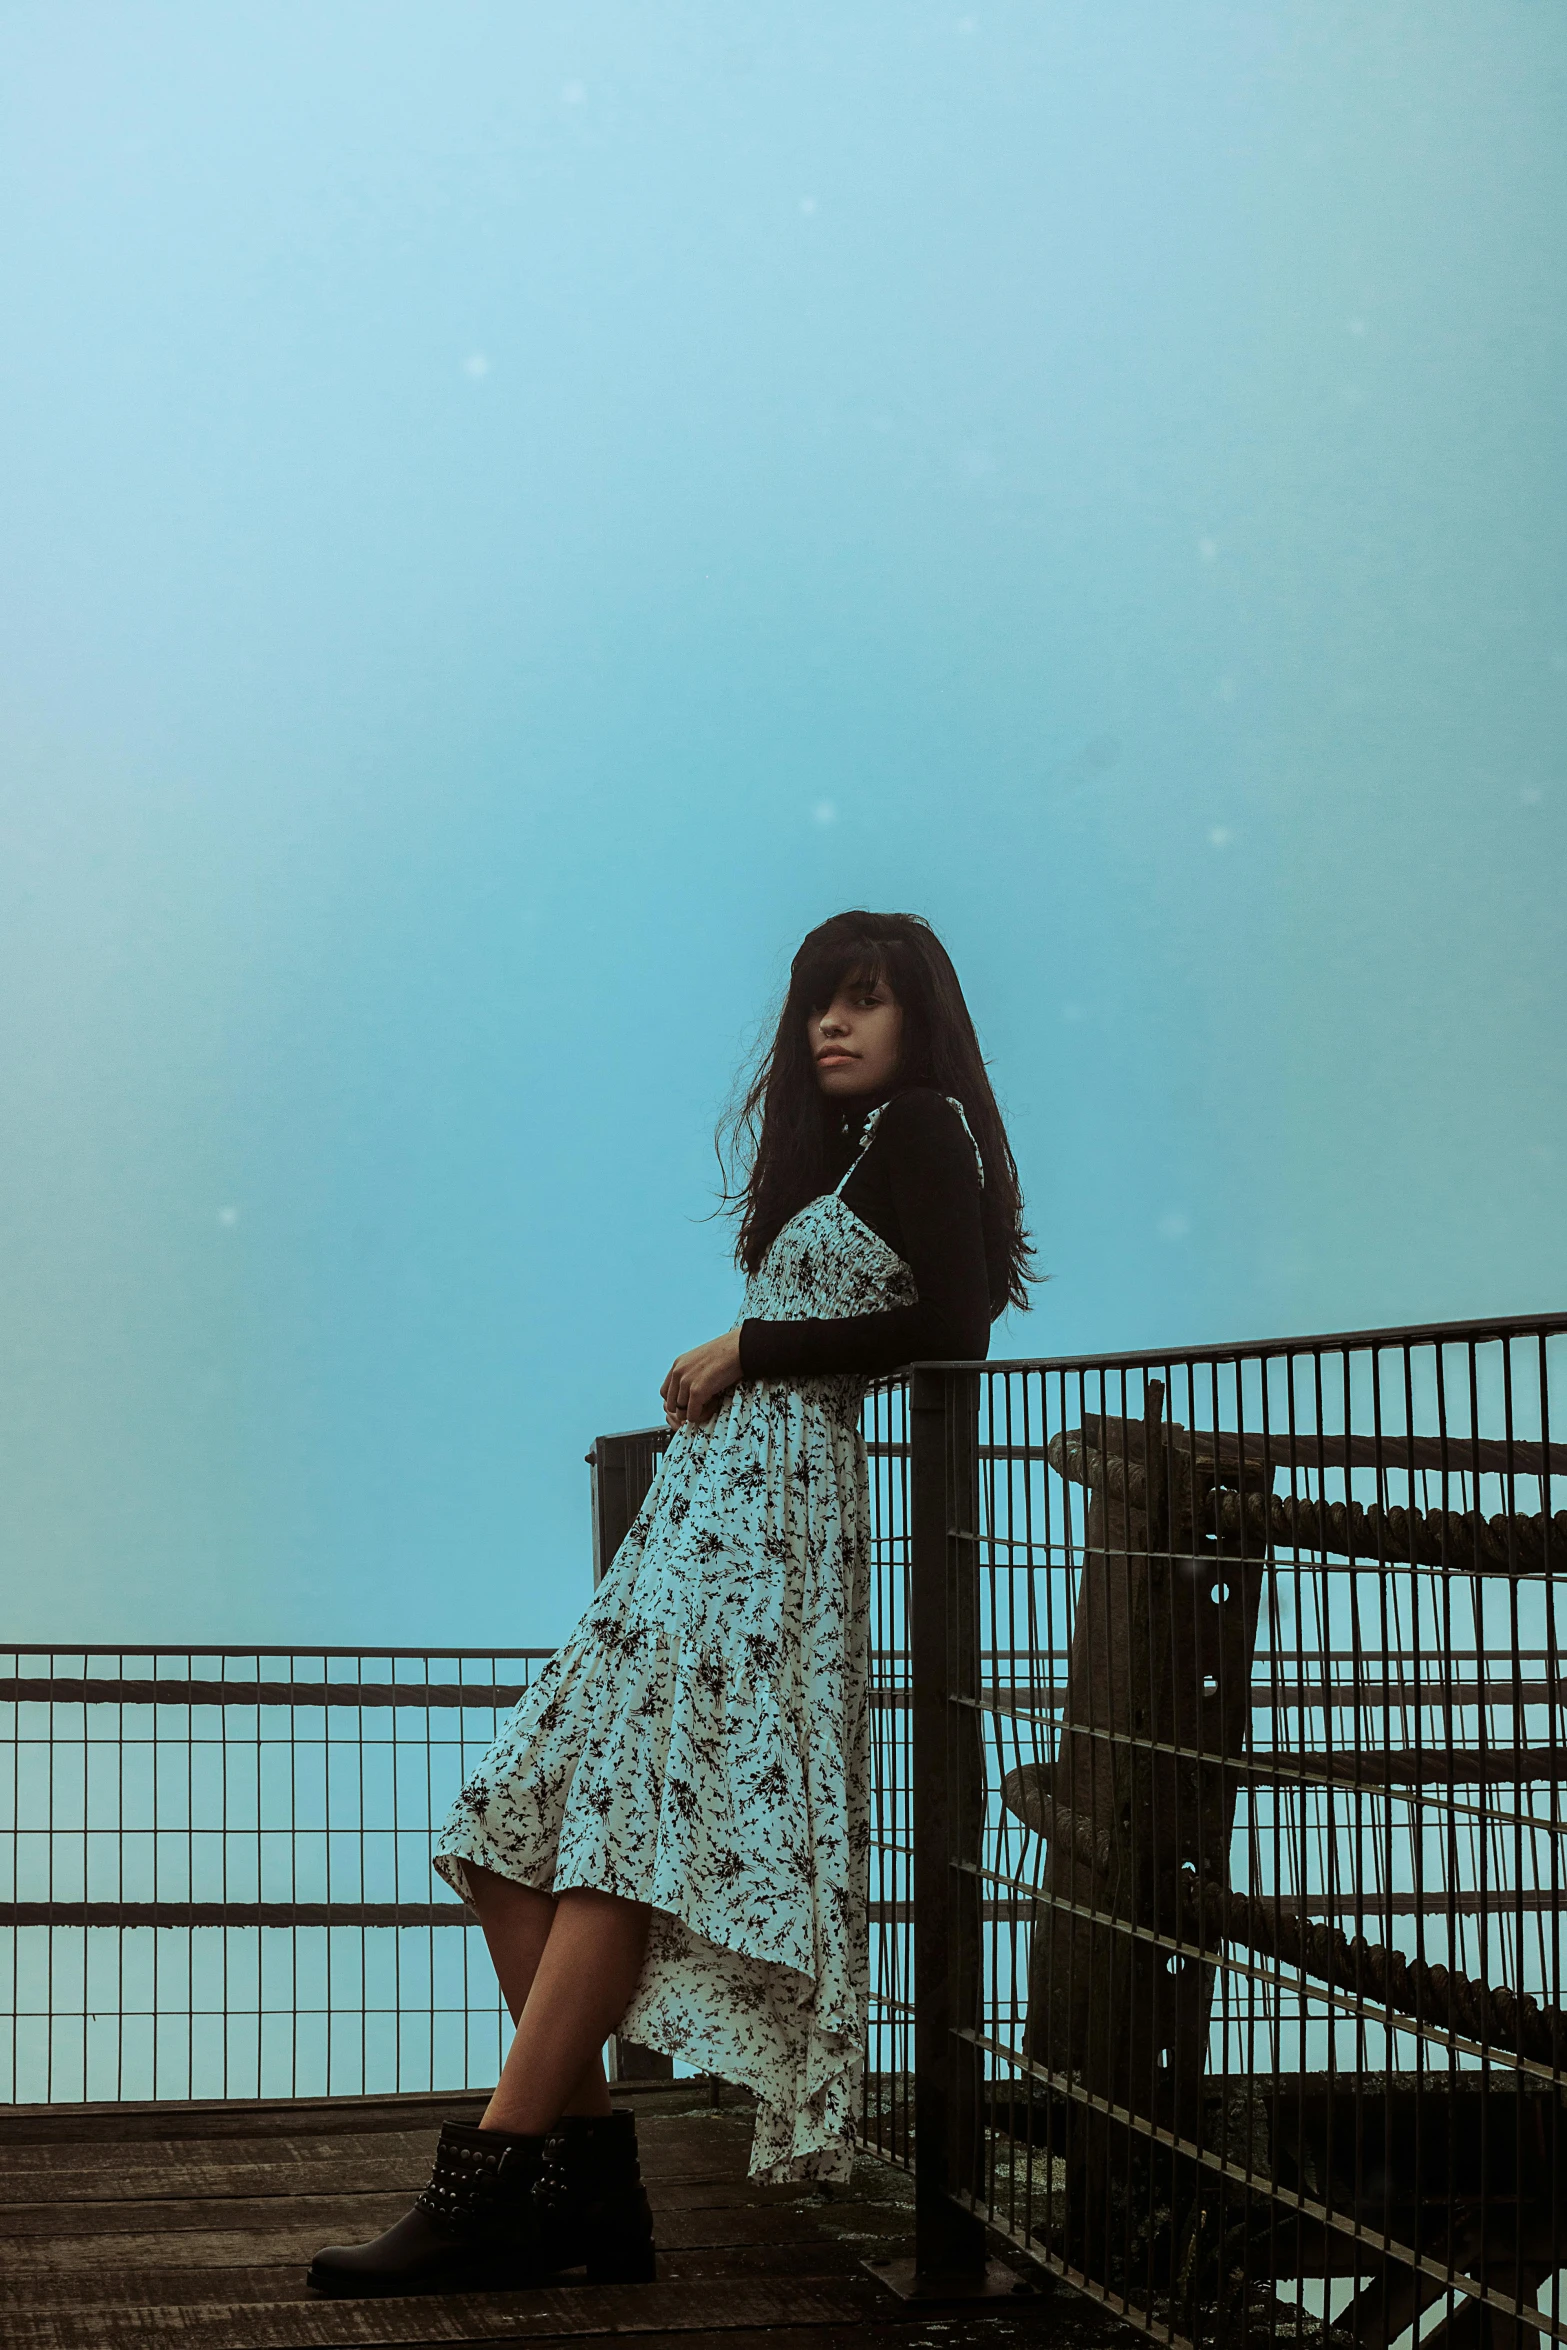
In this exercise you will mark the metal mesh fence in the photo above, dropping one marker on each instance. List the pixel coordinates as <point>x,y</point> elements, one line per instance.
<point>1253,1754</point>
<point>216,1871</point>
<point>887,2114</point>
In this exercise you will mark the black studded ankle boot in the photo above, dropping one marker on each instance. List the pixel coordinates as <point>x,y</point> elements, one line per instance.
<point>474,2227</point>
<point>593,2210</point>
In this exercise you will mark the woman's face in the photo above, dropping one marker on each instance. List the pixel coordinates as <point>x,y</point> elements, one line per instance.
<point>855,1039</point>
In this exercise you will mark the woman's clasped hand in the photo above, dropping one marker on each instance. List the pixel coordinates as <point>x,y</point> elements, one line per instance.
<point>698,1380</point>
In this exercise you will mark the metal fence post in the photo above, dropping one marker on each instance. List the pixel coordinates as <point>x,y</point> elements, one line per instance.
<point>623,1467</point>
<point>947,1789</point>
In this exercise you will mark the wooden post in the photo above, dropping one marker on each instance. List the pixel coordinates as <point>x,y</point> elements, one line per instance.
<point>1158,1675</point>
<point>623,1468</point>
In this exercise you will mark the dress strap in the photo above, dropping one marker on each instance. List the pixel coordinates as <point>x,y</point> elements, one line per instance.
<point>865,1143</point>
<point>869,1131</point>
<point>969,1131</point>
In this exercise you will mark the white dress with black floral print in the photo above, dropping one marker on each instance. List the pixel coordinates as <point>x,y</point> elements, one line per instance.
<point>700,1743</point>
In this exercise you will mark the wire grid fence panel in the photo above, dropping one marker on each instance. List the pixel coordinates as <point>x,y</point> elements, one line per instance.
<point>216,1871</point>
<point>887,2111</point>
<point>214,1863</point>
<point>1271,1872</point>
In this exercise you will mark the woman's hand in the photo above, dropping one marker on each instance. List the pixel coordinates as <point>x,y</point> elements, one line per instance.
<point>699,1380</point>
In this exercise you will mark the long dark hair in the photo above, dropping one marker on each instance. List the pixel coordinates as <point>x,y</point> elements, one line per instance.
<point>789,1136</point>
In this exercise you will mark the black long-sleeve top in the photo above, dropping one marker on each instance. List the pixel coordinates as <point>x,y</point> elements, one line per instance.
<point>918,1188</point>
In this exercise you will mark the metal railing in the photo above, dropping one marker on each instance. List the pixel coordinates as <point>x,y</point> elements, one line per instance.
<point>1238,1758</point>
<point>1218,1723</point>
<point>216,1871</point>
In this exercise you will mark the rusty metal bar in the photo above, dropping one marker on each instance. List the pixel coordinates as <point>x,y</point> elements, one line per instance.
<point>623,1468</point>
<point>943,1602</point>
<point>348,1696</point>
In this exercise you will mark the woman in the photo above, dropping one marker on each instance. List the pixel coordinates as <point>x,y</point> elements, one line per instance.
<point>670,1835</point>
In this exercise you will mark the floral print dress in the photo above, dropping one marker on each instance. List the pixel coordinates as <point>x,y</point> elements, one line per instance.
<point>701,1741</point>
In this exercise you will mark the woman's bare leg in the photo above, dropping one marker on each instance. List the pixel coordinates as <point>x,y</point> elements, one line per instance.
<point>581,1983</point>
<point>516,1921</point>
<point>569,1964</point>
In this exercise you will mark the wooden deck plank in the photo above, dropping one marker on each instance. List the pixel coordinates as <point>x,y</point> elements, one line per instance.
<point>317,2117</point>
<point>295,2239</point>
<point>134,2288</point>
<point>23,2156</point>
<point>107,2183</point>
<point>357,2174</point>
<point>57,2125</point>
<point>565,2313</point>
<point>987,2328</point>
<point>203,2201</point>
<point>177,2180</point>
<point>694,2207</point>
<point>257,2183</point>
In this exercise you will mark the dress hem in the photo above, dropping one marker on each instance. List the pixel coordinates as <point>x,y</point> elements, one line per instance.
<point>830,2022</point>
<point>662,2029</point>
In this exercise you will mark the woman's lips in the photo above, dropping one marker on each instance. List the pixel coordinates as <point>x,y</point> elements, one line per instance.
<point>831,1060</point>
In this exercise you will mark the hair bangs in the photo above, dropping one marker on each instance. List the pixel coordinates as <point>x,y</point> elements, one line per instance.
<point>839,963</point>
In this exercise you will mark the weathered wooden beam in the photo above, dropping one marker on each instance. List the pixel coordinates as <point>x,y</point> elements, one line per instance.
<point>1156,1702</point>
<point>1303,1448</point>
<point>1247,1520</point>
<point>1492,2016</point>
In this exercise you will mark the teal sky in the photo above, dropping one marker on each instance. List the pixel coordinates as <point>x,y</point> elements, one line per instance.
<point>514,512</point>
